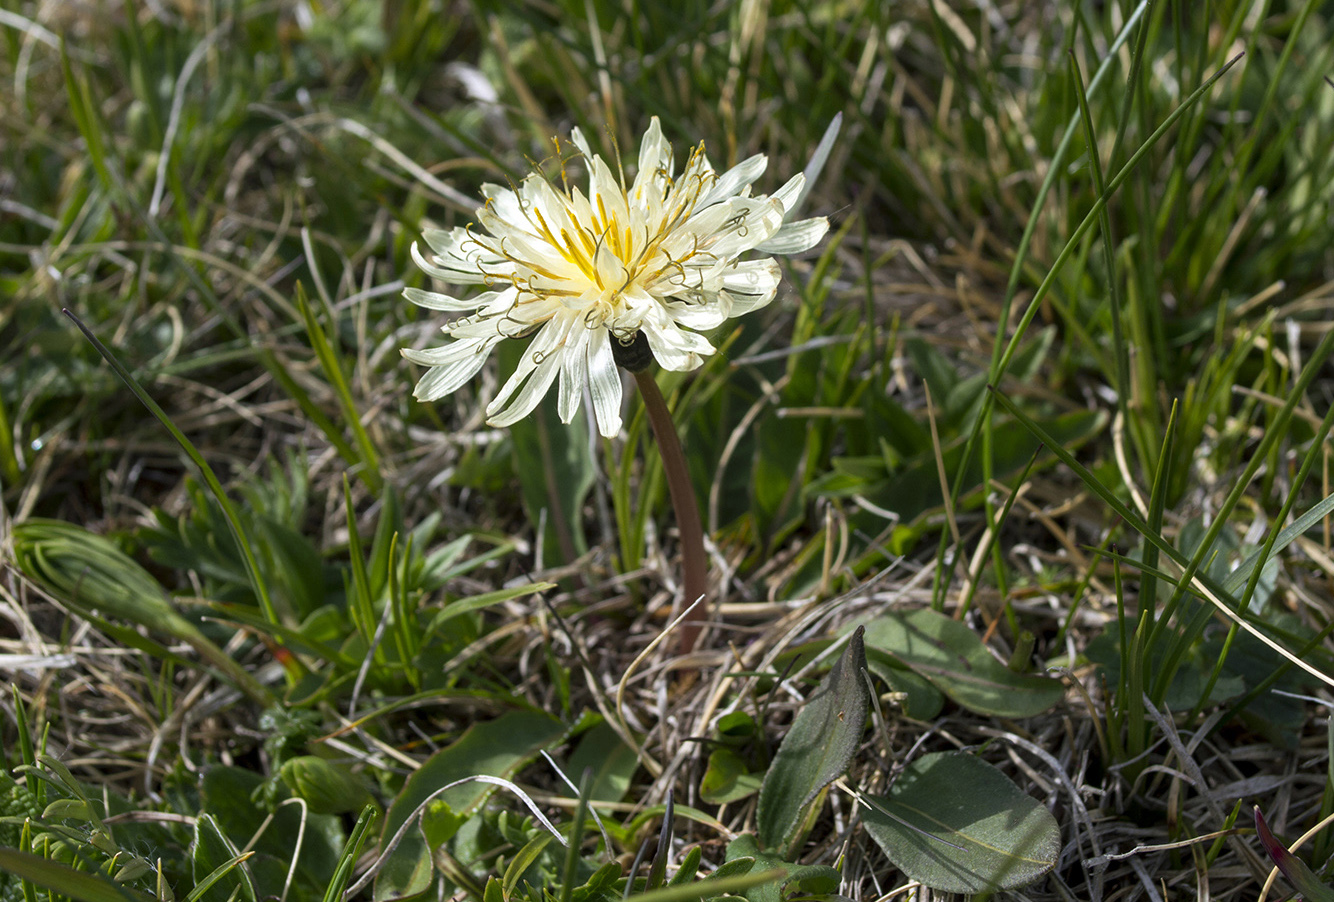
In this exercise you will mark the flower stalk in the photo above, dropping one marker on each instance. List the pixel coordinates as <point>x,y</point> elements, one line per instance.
<point>694,562</point>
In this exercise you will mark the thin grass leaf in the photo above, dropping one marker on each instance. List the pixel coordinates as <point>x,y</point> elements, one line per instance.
<point>210,478</point>
<point>1207,588</point>
<point>347,859</point>
<point>367,464</point>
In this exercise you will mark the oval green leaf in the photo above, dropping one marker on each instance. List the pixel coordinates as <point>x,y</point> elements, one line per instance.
<point>727,779</point>
<point>956,661</point>
<point>955,823</point>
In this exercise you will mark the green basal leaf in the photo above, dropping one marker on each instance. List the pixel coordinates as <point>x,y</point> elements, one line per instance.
<point>326,786</point>
<point>94,578</point>
<point>784,877</point>
<point>727,778</point>
<point>955,823</point>
<point>816,750</point>
<point>61,878</point>
<point>918,698</point>
<point>496,748</point>
<point>956,661</point>
<point>215,860</point>
<point>612,762</point>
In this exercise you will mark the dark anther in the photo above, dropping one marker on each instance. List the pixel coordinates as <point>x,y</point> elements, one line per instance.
<point>633,353</point>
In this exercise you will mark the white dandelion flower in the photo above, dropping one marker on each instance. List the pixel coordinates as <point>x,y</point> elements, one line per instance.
<point>588,271</point>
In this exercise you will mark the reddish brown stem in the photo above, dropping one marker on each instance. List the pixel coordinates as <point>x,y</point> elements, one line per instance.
<point>694,563</point>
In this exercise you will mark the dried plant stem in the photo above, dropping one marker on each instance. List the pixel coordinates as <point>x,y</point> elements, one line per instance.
<point>694,563</point>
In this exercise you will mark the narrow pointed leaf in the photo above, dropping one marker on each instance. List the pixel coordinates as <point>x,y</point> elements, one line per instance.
<point>63,879</point>
<point>1237,579</point>
<point>817,748</point>
<point>1293,868</point>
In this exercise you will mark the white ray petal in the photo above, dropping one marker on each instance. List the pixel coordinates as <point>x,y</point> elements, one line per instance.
<point>795,237</point>
<point>733,180</point>
<point>450,371</point>
<point>433,300</point>
<point>574,371</point>
<point>604,383</point>
<point>533,391</point>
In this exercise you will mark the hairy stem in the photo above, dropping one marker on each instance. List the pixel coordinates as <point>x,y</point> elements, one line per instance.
<point>694,563</point>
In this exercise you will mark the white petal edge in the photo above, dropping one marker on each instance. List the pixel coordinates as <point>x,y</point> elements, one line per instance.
<point>655,158</point>
<point>604,383</point>
<point>434,300</point>
<point>450,367</point>
<point>573,372</point>
<point>795,237</point>
<point>470,276</point>
<point>733,180</point>
<point>751,285</point>
<point>533,391</point>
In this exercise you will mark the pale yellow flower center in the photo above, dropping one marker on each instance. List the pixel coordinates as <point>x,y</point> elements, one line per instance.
<point>636,246</point>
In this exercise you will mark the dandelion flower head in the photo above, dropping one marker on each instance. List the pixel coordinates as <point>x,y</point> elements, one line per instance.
<point>660,257</point>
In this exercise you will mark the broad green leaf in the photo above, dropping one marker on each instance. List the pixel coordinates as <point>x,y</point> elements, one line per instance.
<point>328,787</point>
<point>685,872</point>
<point>816,750</point>
<point>93,576</point>
<point>955,823</point>
<point>958,663</point>
<point>231,797</point>
<point>736,728</point>
<point>920,699</point>
<point>1293,868</point>
<point>784,875</point>
<point>61,878</point>
<point>727,778</point>
<point>612,761</point>
<point>523,860</point>
<point>214,859</point>
<point>69,809</point>
<point>496,748</point>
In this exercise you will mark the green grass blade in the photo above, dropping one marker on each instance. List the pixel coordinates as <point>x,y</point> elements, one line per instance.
<point>1213,592</point>
<point>347,859</point>
<point>210,478</point>
<point>367,464</point>
<point>1121,370</point>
